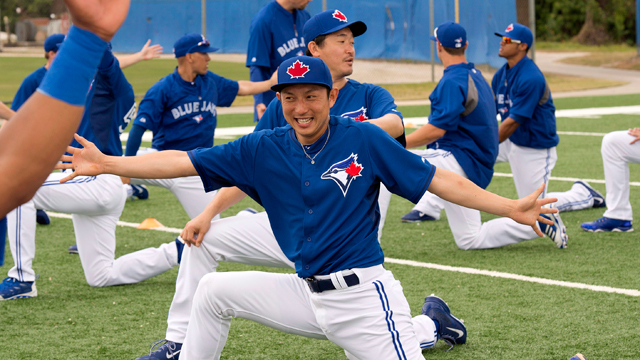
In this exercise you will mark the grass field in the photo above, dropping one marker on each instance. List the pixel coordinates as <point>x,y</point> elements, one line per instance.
<point>506,319</point>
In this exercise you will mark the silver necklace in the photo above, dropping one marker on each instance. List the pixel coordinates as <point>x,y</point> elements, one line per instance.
<point>314,156</point>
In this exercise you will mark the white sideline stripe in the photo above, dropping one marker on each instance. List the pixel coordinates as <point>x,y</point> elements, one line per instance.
<point>595,181</point>
<point>465,270</point>
<point>580,133</point>
<point>498,274</point>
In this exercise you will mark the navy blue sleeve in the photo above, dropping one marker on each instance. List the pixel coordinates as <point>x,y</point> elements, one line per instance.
<point>272,117</point>
<point>447,104</point>
<point>134,140</point>
<point>259,49</point>
<point>382,103</point>
<point>151,108</point>
<point>27,88</point>
<point>227,90</point>
<point>525,97</point>
<point>402,172</point>
<point>259,73</point>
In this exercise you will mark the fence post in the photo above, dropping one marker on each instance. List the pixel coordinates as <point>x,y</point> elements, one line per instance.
<point>532,26</point>
<point>204,18</point>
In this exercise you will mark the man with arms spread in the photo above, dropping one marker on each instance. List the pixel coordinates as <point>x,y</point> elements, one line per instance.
<point>275,35</point>
<point>330,169</point>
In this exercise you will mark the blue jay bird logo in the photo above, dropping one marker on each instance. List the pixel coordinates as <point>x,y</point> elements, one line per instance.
<point>358,115</point>
<point>197,118</point>
<point>344,172</point>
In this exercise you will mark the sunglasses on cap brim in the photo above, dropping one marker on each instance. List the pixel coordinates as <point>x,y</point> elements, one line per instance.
<point>507,40</point>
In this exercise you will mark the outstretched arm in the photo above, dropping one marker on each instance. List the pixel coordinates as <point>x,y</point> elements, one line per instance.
<point>89,161</point>
<point>146,53</point>
<point>458,190</point>
<point>194,231</point>
<point>390,123</point>
<point>252,88</point>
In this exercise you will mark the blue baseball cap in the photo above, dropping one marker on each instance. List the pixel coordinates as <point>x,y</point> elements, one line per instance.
<point>303,70</point>
<point>518,32</point>
<point>53,42</point>
<point>192,43</point>
<point>450,35</point>
<point>328,22</point>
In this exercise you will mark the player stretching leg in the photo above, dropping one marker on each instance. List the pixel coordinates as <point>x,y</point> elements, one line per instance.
<point>619,148</point>
<point>330,168</point>
<point>96,202</point>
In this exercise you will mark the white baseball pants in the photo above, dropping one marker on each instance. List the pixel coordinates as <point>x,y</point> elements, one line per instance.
<point>617,153</point>
<point>188,190</point>
<point>466,225</point>
<point>371,320</point>
<point>96,203</point>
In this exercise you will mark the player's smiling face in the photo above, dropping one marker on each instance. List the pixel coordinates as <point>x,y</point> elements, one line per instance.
<point>338,52</point>
<point>306,109</point>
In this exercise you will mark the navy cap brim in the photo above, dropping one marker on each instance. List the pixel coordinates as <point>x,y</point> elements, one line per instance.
<point>357,28</point>
<point>501,35</point>
<point>204,49</point>
<point>433,38</point>
<point>279,87</point>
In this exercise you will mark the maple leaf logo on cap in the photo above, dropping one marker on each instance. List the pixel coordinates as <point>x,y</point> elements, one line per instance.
<point>339,15</point>
<point>297,70</point>
<point>509,28</point>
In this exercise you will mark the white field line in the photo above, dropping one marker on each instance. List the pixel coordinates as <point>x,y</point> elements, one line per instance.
<point>596,181</point>
<point>465,270</point>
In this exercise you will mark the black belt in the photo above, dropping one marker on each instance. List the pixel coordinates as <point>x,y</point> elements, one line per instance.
<point>318,286</point>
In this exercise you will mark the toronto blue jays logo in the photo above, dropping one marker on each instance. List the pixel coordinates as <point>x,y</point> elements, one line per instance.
<point>344,172</point>
<point>339,16</point>
<point>197,118</point>
<point>358,115</point>
<point>458,42</point>
<point>509,28</point>
<point>297,70</point>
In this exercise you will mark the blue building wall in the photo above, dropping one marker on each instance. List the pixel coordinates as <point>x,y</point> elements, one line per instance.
<point>406,37</point>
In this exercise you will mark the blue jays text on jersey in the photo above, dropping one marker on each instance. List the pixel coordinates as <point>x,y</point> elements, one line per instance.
<point>522,93</point>
<point>182,114</point>
<point>358,101</point>
<point>462,104</point>
<point>328,220</point>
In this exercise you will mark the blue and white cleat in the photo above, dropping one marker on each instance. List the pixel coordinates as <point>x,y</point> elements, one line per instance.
<point>11,288</point>
<point>598,198</point>
<point>416,216</point>
<point>139,191</point>
<point>73,249</point>
<point>557,232</point>
<point>168,350</point>
<point>607,224</point>
<point>449,328</point>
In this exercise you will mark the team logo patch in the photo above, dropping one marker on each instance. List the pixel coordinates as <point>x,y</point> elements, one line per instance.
<point>458,42</point>
<point>358,115</point>
<point>344,172</point>
<point>297,70</point>
<point>197,118</point>
<point>509,28</point>
<point>339,15</point>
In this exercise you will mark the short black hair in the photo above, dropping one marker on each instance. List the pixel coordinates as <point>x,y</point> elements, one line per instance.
<point>319,40</point>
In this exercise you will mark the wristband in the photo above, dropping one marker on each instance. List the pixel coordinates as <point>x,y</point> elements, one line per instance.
<point>74,67</point>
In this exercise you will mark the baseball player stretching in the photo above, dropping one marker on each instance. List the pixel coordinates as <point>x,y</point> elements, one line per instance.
<point>527,135</point>
<point>180,110</point>
<point>330,168</point>
<point>462,136</point>
<point>96,202</point>
<point>250,240</point>
<point>619,148</point>
<point>275,35</point>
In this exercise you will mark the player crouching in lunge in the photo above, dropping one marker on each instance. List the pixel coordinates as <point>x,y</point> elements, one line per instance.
<point>341,292</point>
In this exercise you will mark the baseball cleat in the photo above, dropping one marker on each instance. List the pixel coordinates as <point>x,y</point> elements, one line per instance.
<point>11,288</point>
<point>607,224</point>
<point>598,199</point>
<point>557,232</point>
<point>167,350</point>
<point>140,192</point>
<point>180,246</point>
<point>578,356</point>
<point>42,218</point>
<point>73,249</point>
<point>449,328</point>
<point>416,216</point>
<point>247,211</point>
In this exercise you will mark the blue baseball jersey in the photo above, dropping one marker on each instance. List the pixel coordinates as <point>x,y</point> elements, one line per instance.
<point>325,215</point>
<point>28,87</point>
<point>109,108</point>
<point>182,114</point>
<point>522,93</point>
<point>358,101</point>
<point>463,105</point>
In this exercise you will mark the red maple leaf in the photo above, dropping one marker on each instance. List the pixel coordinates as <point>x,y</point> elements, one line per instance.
<point>353,169</point>
<point>297,70</point>
<point>339,15</point>
<point>361,117</point>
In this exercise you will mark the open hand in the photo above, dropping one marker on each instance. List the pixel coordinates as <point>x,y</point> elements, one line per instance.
<point>101,17</point>
<point>88,161</point>
<point>634,132</point>
<point>529,208</point>
<point>150,52</point>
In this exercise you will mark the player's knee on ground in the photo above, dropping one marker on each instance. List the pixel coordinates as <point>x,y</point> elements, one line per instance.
<point>213,290</point>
